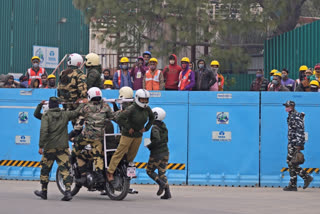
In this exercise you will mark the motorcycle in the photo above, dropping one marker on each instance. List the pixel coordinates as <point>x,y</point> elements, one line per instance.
<point>119,188</point>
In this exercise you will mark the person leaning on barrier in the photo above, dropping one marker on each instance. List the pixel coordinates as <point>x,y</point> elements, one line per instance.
<point>276,83</point>
<point>296,140</point>
<point>159,153</point>
<point>132,120</point>
<point>51,81</point>
<point>314,86</point>
<point>302,74</point>
<point>304,85</point>
<point>53,146</point>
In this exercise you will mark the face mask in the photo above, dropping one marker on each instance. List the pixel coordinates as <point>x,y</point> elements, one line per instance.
<point>284,76</point>
<point>44,82</point>
<point>152,67</point>
<point>259,75</point>
<point>184,66</point>
<point>271,78</point>
<point>275,82</point>
<point>52,83</point>
<point>288,109</point>
<point>124,67</point>
<point>35,65</point>
<point>172,62</point>
<point>106,77</point>
<point>308,77</point>
<point>201,66</point>
<point>215,70</point>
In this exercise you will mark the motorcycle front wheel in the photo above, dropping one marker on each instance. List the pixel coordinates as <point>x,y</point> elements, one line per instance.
<point>120,190</point>
<point>75,188</point>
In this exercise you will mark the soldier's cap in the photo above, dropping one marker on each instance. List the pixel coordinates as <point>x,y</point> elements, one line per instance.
<point>289,103</point>
<point>54,99</point>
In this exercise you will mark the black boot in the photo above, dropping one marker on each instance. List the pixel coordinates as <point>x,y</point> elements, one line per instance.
<point>162,186</point>
<point>290,188</point>
<point>41,194</point>
<point>167,193</point>
<point>67,196</point>
<point>307,182</point>
<point>99,177</point>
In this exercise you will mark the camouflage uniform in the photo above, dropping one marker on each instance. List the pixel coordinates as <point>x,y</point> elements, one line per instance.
<point>54,142</point>
<point>296,137</point>
<point>72,86</point>
<point>94,77</point>
<point>95,114</point>
<point>159,152</point>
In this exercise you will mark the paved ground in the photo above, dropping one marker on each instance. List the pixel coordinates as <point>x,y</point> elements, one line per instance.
<point>17,197</point>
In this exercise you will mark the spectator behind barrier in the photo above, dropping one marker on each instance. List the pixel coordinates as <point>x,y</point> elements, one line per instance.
<point>23,81</point>
<point>304,85</point>
<point>276,83</point>
<point>260,83</point>
<point>44,80</point>
<point>316,75</point>
<point>314,86</point>
<point>204,77</point>
<point>137,73</point>
<point>286,81</point>
<point>171,73</point>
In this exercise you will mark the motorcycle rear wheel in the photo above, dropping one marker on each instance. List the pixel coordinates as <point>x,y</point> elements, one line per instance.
<point>120,191</point>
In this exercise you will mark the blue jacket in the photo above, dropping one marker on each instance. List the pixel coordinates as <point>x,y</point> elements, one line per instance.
<point>115,80</point>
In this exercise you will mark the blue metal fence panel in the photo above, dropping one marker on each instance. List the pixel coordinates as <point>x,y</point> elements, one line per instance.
<point>16,110</point>
<point>223,138</point>
<point>274,136</point>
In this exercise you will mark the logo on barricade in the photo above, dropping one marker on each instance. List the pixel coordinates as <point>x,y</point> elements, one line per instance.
<point>22,139</point>
<point>221,136</point>
<point>222,117</point>
<point>23,117</point>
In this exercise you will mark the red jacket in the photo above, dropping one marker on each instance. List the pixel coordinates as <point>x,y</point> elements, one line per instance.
<point>171,75</point>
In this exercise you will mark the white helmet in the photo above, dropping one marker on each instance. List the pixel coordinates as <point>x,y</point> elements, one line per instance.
<point>94,92</point>
<point>142,93</point>
<point>75,60</point>
<point>92,59</point>
<point>159,113</point>
<point>125,93</point>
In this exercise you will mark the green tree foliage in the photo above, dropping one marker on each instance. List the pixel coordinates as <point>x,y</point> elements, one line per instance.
<point>236,31</point>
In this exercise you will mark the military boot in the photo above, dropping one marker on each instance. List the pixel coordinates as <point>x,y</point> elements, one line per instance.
<point>41,194</point>
<point>99,177</point>
<point>290,188</point>
<point>67,196</point>
<point>167,193</point>
<point>307,182</point>
<point>162,186</point>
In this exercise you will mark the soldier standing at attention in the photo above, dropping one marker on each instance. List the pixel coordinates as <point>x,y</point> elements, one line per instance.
<point>296,140</point>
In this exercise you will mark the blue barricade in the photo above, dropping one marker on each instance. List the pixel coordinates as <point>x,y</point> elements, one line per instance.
<point>274,141</point>
<point>223,138</point>
<point>20,132</point>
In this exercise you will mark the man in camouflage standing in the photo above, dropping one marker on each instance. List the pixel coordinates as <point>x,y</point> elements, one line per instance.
<point>296,140</point>
<point>72,85</point>
<point>54,146</point>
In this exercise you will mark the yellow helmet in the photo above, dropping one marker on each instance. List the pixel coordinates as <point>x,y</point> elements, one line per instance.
<point>124,60</point>
<point>35,57</point>
<point>303,68</point>
<point>92,59</point>
<point>273,71</point>
<point>215,62</point>
<point>51,76</point>
<point>314,82</point>
<point>108,82</point>
<point>314,72</point>
<point>153,60</point>
<point>277,74</point>
<point>185,59</point>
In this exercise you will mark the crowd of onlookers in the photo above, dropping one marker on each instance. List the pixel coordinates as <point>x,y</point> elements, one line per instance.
<point>308,80</point>
<point>180,75</point>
